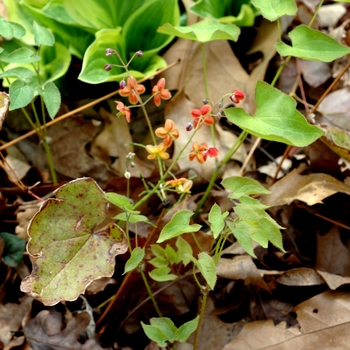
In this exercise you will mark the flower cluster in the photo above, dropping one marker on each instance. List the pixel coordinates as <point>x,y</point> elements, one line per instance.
<point>181,185</point>
<point>168,133</point>
<point>202,151</point>
<point>202,116</point>
<point>160,93</point>
<point>132,90</point>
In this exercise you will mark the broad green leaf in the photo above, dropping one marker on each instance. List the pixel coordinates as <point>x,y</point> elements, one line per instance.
<point>274,9</point>
<point>166,325</point>
<point>67,253</point>
<point>310,44</point>
<point>186,330</point>
<point>155,334</point>
<point>243,186</point>
<point>206,266</point>
<point>42,36</point>
<point>159,262</point>
<point>162,274</point>
<point>170,254</point>
<point>245,18</point>
<point>135,259</point>
<point>19,72</point>
<point>214,8</point>
<point>204,31</point>
<point>11,30</point>
<point>243,232</point>
<point>276,118</point>
<point>179,224</point>
<point>184,250</point>
<point>21,94</point>
<point>52,98</point>
<point>217,220</point>
<point>22,55</point>
<point>13,249</point>
<point>119,200</point>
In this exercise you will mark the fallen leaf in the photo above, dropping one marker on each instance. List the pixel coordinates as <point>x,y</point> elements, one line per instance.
<point>302,276</point>
<point>311,189</point>
<point>4,106</point>
<point>66,249</point>
<point>45,332</point>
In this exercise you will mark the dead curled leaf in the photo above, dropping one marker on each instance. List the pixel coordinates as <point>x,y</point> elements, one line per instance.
<point>4,106</point>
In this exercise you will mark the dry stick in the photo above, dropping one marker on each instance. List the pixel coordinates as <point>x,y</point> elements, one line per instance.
<point>88,105</point>
<point>252,150</point>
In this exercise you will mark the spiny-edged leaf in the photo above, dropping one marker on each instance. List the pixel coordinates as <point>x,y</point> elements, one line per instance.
<point>42,36</point>
<point>18,72</point>
<point>162,274</point>
<point>242,186</point>
<point>204,31</point>
<point>217,220</point>
<point>310,44</point>
<point>21,55</point>
<point>274,9</point>
<point>155,334</point>
<point>13,250</point>
<point>52,98</point>
<point>67,253</point>
<point>170,254</point>
<point>206,266</point>
<point>184,250</point>
<point>119,200</point>
<point>276,118</point>
<point>243,232</point>
<point>159,262</point>
<point>136,257</point>
<point>179,224</point>
<point>186,330</point>
<point>21,94</point>
<point>166,325</point>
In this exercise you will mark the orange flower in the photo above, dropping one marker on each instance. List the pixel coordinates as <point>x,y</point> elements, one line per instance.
<point>197,152</point>
<point>168,133</point>
<point>182,185</point>
<point>132,89</point>
<point>123,110</point>
<point>160,93</point>
<point>202,116</point>
<point>158,151</point>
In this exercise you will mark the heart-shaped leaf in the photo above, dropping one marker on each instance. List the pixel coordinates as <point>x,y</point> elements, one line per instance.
<point>67,253</point>
<point>274,9</point>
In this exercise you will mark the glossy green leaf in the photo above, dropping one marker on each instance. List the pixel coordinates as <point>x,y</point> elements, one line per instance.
<point>217,220</point>
<point>135,259</point>
<point>155,334</point>
<point>310,44</point>
<point>52,98</point>
<point>42,36</point>
<point>184,250</point>
<point>179,224</point>
<point>241,186</point>
<point>204,31</point>
<point>21,94</point>
<point>185,330</point>
<point>274,9</point>
<point>162,274</point>
<point>67,253</point>
<point>13,249</point>
<point>22,55</point>
<point>276,118</point>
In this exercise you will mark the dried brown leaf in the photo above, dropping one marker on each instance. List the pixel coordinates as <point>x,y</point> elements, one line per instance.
<point>302,276</point>
<point>4,106</point>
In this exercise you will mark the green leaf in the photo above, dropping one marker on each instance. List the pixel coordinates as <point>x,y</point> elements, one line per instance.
<point>52,98</point>
<point>243,186</point>
<point>157,250</point>
<point>310,44</point>
<point>135,259</point>
<point>217,220</point>
<point>119,200</point>
<point>166,326</point>
<point>170,254</point>
<point>18,72</point>
<point>162,274</point>
<point>184,250</point>
<point>11,30</point>
<point>21,94</point>
<point>204,31</point>
<point>22,55</point>
<point>155,334</point>
<point>67,253</point>
<point>13,249</point>
<point>159,262</point>
<point>274,9</point>
<point>179,224</point>
<point>243,232</point>
<point>276,118</point>
<point>42,36</point>
<point>186,330</point>
<point>206,266</point>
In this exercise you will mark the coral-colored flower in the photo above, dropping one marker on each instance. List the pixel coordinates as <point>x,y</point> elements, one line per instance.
<point>168,133</point>
<point>182,185</point>
<point>202,116</point>
<point>237,96</point>
<point>160,93</point>
<point>132,89</point>
<point>212,152</point>
<point>197,152</point>
<point>123,110</point>
<point>158,151</point>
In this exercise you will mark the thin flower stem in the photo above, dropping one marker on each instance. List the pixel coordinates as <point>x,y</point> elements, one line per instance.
<point>316,13</point>
<point>149,291</point>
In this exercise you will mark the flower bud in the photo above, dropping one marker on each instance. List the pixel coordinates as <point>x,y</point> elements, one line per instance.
<point>139,53</point>
<point>189,127</point>
<point>205,101</point>
<point>218,115</point>
<point>127,174</point>
<point>107,67</point>
<point>109,52</point>
<point>122,84</point>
